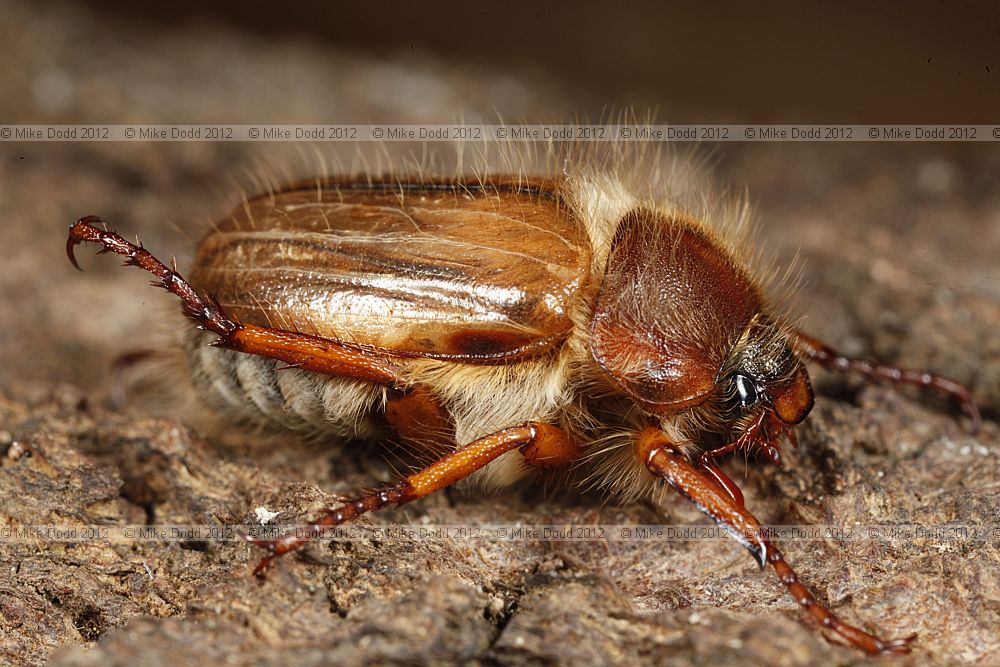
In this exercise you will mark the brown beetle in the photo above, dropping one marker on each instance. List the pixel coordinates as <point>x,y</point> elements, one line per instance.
<point>528,324</point>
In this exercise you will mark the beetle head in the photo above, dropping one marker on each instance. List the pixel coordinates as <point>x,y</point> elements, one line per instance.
<point>763,375</point>
<point>680,326</point>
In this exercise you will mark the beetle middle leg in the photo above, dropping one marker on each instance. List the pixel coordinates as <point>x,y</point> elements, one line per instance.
<point>537,442</point>
<point>664,460</point>
<point>816,350</point>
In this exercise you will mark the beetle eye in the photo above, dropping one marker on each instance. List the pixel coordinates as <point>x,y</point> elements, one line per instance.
<point>746,390</point>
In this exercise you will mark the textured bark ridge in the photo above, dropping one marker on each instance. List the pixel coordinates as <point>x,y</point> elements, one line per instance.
<point>900,245</point>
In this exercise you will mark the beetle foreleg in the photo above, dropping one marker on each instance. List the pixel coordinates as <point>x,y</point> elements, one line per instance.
<point>816,350</point>
<point>530,437</point>
<point>311,353</point>
<point>706,460</point>
<point>667,462</point>
<point>725,481</point>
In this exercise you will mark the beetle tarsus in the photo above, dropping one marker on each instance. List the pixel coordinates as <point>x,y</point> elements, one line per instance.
<point>971,409</point>
<point>83,230</point>
<point>70,244</point>
<point>205,312</point>
<point>274,549</point>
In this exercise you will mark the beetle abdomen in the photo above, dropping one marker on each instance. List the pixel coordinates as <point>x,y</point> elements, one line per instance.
<point>255,389</point>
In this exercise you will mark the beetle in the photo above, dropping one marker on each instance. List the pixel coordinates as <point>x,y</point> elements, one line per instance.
<point>524,323</point>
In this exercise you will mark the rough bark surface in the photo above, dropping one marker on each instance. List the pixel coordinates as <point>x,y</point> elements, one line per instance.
<point>900,245</point>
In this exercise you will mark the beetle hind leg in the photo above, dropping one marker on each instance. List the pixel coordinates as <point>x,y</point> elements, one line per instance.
<point>312,353</point>
<point>664,460</point>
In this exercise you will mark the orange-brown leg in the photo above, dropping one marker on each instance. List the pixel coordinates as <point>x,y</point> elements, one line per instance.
<point>723,480</point>
<point>310,353</point>
<point>816,350</point>
<point>667,462</point>
<point>552,448</point>
<point>450,469</point>
<point>417,416</point>
<point>756,435</point>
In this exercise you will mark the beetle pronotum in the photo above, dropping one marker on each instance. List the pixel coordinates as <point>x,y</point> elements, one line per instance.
<point>577,322</point>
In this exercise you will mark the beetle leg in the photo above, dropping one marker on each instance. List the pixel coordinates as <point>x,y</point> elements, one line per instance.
<point>666,461</point>
<point>553,448</point>
<point>299,350</point>
<point>706,461</point>
<point>725,481</point>
<point>529,437</point>
<point>417,416</point>
<point>818,351</point>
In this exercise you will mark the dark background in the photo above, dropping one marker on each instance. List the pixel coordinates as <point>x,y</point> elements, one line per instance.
<point>854,62</point>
